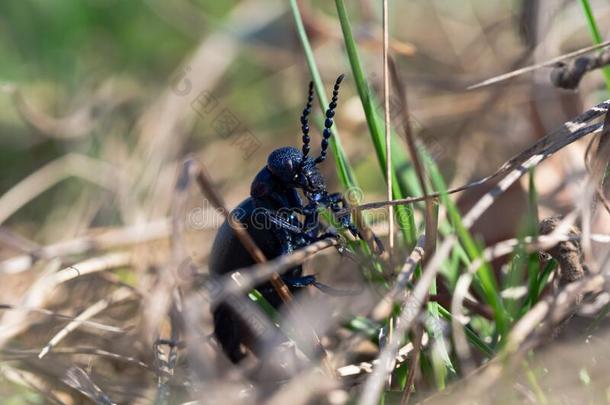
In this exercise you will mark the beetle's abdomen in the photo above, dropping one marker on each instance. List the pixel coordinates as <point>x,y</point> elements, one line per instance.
<point>227,255</point>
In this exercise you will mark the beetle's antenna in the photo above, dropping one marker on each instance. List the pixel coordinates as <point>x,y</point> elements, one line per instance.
<point>328,123</point>
<point>305,122</point>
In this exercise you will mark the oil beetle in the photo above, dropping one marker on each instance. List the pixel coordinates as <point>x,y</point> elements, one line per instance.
<point>271,217</point>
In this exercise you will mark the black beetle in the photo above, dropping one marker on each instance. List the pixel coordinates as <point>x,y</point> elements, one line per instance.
<point>271,217</point>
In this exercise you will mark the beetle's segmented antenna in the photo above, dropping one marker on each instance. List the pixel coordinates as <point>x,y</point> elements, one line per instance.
<point>305,122</point>
<point>328,122</point>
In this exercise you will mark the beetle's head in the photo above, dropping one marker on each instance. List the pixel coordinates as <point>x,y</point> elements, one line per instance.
<point>311,180</point>
<point>295,171</point>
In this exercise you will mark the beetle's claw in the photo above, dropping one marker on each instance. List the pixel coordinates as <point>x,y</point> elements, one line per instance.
<point>334,291</point>
<point>379,246</point>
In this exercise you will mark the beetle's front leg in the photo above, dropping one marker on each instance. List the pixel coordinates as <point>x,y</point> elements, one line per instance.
<point>290,242</point>
<point>341,208</point>
<point>311,224</point>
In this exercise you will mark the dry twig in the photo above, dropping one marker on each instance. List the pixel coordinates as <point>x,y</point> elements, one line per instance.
<point>97,172</point>
<point>109,239</point>
<point>547,63</point>
<point>101,305</point>
<point>388,130</point>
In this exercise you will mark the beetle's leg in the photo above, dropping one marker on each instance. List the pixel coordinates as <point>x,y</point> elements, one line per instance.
<point>300,282</point>
<point>336,198</point>
<point>352,228</point>
<point>296,234</point>
<point>311,225</point>
<point>341,208</point>
<point>326,289</point>
<point>278,220</point>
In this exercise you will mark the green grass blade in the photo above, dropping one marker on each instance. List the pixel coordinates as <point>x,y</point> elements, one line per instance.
<point>533,263</point>
<point>471,335</point>
<point>521,258</point>
<point>533,380</point>
<point>262,302</point>
<point>404,214</point>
